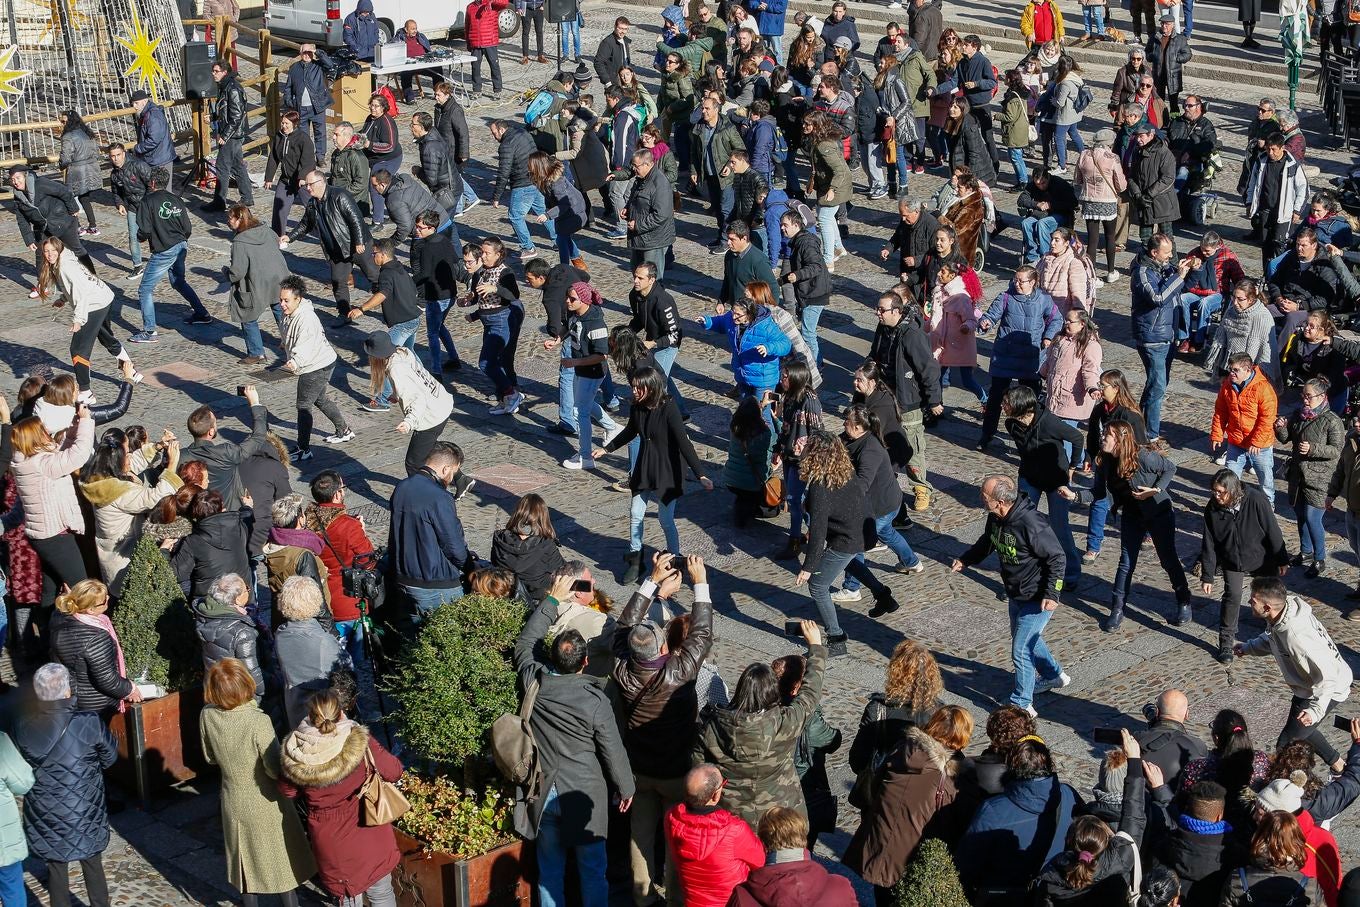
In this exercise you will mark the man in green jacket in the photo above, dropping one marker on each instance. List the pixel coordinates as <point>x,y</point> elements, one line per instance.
<point>712,142</point>
<point>349,166</point>
<point>744,264</point>
<point>918,77</point>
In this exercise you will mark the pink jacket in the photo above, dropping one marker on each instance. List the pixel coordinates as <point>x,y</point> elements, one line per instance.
<point>955,336</point>
<point>1070,376</point>
<point>45,486</point>
<point>1100,176</point>
<point>1064,277</point>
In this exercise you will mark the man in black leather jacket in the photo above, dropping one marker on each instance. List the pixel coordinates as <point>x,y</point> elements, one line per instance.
<point>229,126</point>
<point>344,236</point>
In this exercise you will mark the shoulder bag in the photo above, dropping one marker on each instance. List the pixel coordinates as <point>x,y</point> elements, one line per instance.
<point>774,485</point>
<point>381,802</point>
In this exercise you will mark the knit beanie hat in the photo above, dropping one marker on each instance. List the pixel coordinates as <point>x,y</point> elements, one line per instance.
<point>1113,769</point>
<point>586,293</point>
<point>1282,794</point>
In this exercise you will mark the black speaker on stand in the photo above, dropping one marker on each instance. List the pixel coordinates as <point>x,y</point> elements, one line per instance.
<point>198,61</point>
<point>560,11</point>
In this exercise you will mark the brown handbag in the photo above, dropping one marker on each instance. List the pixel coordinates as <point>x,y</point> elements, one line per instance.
<point>774,485</point>
<point>381,803</point>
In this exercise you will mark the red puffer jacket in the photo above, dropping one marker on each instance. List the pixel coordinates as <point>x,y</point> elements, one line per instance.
<point>796,884</point>
<point>714,851</point>
<point>482,30</point>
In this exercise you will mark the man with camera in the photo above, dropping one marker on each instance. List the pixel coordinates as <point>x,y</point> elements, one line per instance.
<point>345,544</point>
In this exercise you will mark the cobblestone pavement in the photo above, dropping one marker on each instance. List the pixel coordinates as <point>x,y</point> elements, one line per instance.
<point>172,855</point>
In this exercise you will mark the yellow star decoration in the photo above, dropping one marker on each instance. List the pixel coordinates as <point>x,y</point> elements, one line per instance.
<point>9,79</point>
<point>145,66</point>
<point>78,19</point>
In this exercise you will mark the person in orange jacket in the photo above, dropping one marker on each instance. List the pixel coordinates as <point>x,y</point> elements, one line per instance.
<point>1244,417</point>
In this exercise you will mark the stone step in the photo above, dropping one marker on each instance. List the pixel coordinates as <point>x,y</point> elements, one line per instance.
<point>1217,59</point>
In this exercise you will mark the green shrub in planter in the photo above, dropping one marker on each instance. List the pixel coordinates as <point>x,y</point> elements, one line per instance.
<point>447,819</point>
<point>155,627</point>
<point>931,880</point>
<point>456,678</point>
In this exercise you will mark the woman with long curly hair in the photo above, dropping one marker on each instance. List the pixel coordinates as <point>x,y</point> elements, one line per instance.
<point>1275,873</point>
<point>91,307</point>
<point>805,56</point>
<point>1137,479</point>
<point>839,527</point>
<point>831,184</point>
<point>911,693</point>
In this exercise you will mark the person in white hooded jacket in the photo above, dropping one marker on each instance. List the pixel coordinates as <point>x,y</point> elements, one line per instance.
<point>1317,675</point>
<point>312,358</point>
<point>425,403</point>
<point>91,302</point>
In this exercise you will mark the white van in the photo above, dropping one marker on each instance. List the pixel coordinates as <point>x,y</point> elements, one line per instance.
<point>321,21</point>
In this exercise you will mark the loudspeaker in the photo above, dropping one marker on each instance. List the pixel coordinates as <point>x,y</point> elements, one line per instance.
<point>562,10</point>
<point>198,61</point>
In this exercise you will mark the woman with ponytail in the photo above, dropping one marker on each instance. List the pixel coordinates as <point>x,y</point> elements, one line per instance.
<point>1097,865</point>
<point>1234,762</point>
<point>324,764</point>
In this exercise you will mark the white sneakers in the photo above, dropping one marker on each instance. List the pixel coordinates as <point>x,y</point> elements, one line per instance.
<point>577,463</point>
<point>1057,683</point>
<point>509,406</point>
<point>846,595</point>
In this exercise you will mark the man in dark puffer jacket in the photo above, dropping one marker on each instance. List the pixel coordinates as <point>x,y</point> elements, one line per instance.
<point>64,814</point>
<point>224,629</point>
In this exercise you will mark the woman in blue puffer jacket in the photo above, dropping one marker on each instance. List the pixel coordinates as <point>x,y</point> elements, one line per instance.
<point>757,345</point>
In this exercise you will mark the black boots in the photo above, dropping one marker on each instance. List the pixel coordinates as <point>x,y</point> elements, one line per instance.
<point>632,567</point>
<point>886,605</point>
<point>1115,619</point>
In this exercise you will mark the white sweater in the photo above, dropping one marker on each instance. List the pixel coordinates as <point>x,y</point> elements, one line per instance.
<point>305,340</point>
<point>424,401</point>
<point>86,292</point>
<point>1307,657</point>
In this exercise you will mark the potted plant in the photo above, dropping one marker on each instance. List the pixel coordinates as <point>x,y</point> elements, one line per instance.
<point>158,741</point>
<point>450,683</point>
<point>930,880</point>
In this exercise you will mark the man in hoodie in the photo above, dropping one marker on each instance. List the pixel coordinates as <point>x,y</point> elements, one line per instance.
<point>436,262</point>
<point>657,321</point>
<point>129,180</point>
<point>46,208</point>
<point>360,31</point>
<point>229,126</point>
<point>222,457</point>
<point>714,850</point>
<point>790,876</point>
<point>657,688</point>
<point>1032,565</point>
<point>554,281</point>
<point>425,536</point>
<point>1317,675</point>
<point>163,223</point>
<point>624,129</point>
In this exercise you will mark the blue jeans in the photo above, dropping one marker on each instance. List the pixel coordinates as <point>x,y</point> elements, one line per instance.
<point>665,513</point>
<point>135,248</point>
<point>888,535</point>
<point>1017,156</point>
<point>812,314</point>
<point>665,360</point>
<point>168,261</point>
<point>1095,527</point>
<point>584,392</point>
<point>566,392</point>
<point>966,379</point>
<point>1036,232</point>
<point>791,183</point>
<point>1193,313</point>
<point>1093,19</point>
<point>829,569</point>
<point>831,235</point>
<point>591,861</point>
<point>1188,8</point>
<point>566,246</point>
<point>12,884</point>
<point>500,336</point>
<point>1263,464</point>
<point>795,489</point>
<point>1060,134</point>
<point>254,342</point>
<point>1059,517</point>
<point>351,634</point>
<point>435,312</point>
<point>1029,652</point>
<point>524,200</point>
<point>775,45</point>
<point>401,334</point>
<point>571,34</point>
<point>426,600</point>
<point>1157,359</point>
<point>468,197</point>
<point>1312,538</point>
<point>1075,457</point>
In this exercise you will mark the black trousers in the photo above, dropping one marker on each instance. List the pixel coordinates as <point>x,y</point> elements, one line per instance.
<point>991,415</point>
<point>493,59</point>
<point>61,563</point>
<point>422,442</point>
<point>70,238</point>
<point>95,327</point>
<point>340,272</point>
<point>536,17</point>
<point>96,885</point>
<point>231,163</point>
<point>1293,730</point>
<point>407,78</point>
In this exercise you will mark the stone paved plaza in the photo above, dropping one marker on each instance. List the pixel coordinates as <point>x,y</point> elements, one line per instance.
<point>172,855</point>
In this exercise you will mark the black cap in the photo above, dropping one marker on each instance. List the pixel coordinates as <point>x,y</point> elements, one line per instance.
<point>140,95</point>
<point>379,345</point>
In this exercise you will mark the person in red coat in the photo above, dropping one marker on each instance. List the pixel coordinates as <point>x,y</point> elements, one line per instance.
<point>790,877</point>
<point>342,541</point>
<point>484,38</point>
<point>714,850</point>
<point>324,766</point>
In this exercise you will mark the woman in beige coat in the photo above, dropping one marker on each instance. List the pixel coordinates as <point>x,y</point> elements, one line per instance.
<point>267,852</point>
<point>121,501</point>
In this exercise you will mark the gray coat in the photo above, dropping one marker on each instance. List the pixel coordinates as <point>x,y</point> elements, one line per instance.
<point>256,268</point>
<point>651,207</point>
<point>405,199</point>
<point>307,654</point>
<point>1309,474</point>
<point>81,160</point>
<point>578,742</point>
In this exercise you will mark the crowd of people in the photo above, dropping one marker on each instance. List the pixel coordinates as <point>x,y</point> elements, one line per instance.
<point>723,791</point>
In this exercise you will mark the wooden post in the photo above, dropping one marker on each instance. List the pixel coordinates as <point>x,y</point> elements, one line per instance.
<point>226,51</point>
<point>270,86</point>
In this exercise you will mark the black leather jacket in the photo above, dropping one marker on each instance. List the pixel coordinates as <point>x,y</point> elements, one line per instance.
<point>226,633</point>
<point>338,223</point>
<point>229,113</point>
